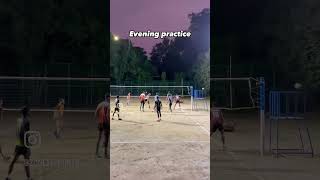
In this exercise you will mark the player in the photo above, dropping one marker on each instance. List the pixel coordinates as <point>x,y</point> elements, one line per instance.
<point>103,115</point>
<point>217,123</point>
<point>147,98</point>
<point>142,101</point>
<point>128,98</point>
<point>23,126</point>
<point>157,107</point>
<point>117,108</point>
<point>177,101</point>
<point>58,117</point>
<point>156,96</point>
<point>169,100</point>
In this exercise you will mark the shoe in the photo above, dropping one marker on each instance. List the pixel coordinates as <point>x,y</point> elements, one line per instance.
<point>111,118</point>
<point>8,178</point>
<point>119,119</point>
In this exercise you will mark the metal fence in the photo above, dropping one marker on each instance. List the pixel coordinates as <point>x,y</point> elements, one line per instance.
<point>78,94</point>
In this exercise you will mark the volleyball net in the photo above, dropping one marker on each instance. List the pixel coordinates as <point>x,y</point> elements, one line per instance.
<point>43,93</point>
<point>235,93</point>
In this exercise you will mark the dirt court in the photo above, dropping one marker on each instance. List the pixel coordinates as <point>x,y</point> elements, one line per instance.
<point>176,148</point>
<point>73,156</point>
<point>242,161</point>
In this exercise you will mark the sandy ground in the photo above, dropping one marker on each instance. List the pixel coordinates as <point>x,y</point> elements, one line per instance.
<point>72,157</point>
<point>242,161</point>
<point>178,147</point>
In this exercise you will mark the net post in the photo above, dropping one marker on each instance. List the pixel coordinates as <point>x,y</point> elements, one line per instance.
<point>191,92</point>
<point>262,114</point>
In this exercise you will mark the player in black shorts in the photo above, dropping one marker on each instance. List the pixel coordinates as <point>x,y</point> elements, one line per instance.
<point>157,107</point>
<point>117,108</point>
<point>23,126</point>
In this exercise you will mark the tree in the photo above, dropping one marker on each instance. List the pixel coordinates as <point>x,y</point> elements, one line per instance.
<point>179,56</point>
<point>128,62</point>
<point>202,72</point>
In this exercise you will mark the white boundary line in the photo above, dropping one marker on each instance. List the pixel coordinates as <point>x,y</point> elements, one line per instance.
<point>157,142</point>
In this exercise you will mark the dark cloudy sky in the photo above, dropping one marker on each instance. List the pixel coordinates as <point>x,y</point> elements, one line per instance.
<point>153,15</point>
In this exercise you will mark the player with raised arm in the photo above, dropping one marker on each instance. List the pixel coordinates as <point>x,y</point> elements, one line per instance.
<point>128,98</point>
<point>58,117</point>
<point>117,108</point>
<point>142,101</point>
<point>217,120</point>
<point>23,126</point>
<point>157,107</point>
<point>102,113</point>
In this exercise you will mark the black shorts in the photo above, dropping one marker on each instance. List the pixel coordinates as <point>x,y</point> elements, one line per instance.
<point>177,101</point>
<point>104,126</point>
<point>117,109</point>
<point>142,102</point>
<point>218,126</point>
<point>22,150</point>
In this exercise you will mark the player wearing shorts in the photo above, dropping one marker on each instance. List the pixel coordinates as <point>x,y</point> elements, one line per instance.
<point>117,108</point>
<point>128,98</point>
<point>157,107</point>
<point>103,115</point>
<point>142,101</point>
<point>58,117</point>
<point>177,101</point>
<point>23,126</point>
<point>217,123</point>
<point>169,100</point>
<point>147,99</point>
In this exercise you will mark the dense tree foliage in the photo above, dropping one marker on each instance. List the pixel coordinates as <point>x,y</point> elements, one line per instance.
<point>275,39</point>
<point>175,59</point>
<point>50,32</point>
<point>129,63</point>
<point>178,58</point>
